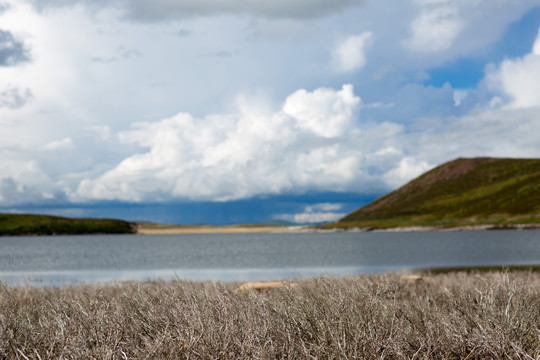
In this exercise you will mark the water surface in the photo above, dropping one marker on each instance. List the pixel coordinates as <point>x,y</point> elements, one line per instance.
<point>254,256</point>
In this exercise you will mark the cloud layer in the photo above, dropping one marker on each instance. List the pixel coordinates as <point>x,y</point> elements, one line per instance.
<point>155,10</point>
<point>12,50</point>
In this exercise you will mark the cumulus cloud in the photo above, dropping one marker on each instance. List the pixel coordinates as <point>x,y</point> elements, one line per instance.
<point>224,157</point>
<point>12,50</point>
<point>256,151</point>
<point>296,150</point>
<point>317,217</point>
<point>25,184</point>
<point>435,27</point>
<point>318,213</point>
<point>325,112</point>
<point>408,168</point>
<point>518,78</point>
<point>350,54</point>
<point>15,98</point>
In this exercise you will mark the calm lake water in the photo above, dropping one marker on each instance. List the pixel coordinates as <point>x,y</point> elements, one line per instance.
<point>246,257</point>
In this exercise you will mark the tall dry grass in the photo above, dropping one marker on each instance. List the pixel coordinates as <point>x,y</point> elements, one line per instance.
<point>447,316</point>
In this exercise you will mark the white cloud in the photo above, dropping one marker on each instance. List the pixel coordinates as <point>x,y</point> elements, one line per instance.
<point>407,169</point>
<point>518,78</point>
<point>256,151</point>
<point>350,54</point>
<point>459,96</point>
<point>59,144</point>
<point>317,217</point>
<point>26,183</point>
<point>323,207</point>
<point>536,46</point>
<point>223,157</point>
<point>436,26</point>
<point>318,213</point>
<point>390,150</point>
<point>324,112</point>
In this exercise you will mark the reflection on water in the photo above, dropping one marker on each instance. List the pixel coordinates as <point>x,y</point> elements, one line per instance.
<point>247,257</point>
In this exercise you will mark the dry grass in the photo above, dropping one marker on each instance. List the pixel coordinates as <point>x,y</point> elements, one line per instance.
<point>446,316</point>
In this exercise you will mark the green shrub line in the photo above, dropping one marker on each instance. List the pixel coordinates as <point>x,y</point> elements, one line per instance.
<point>27,224</point>
<point>455,315</point>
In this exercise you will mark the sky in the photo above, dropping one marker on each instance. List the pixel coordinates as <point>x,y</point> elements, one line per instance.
<point>236,111</point>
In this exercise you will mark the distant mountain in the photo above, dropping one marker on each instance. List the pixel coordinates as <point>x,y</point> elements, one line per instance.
<point>460,192</point>
<point>27,224</point>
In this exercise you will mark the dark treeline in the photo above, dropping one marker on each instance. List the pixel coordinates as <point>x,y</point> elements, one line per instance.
<point>26,224</point>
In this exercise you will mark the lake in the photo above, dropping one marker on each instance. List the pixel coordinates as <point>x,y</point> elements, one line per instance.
<point>58,260</point>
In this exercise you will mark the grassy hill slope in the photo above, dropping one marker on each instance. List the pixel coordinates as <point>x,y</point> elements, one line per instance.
<point>460,192</point>
<point>25,224</point>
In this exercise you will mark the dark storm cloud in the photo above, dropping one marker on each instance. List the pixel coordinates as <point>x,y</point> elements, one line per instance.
<point>156,10</point>
<point>12,51</point>
<point>94,5</point>
<point>152,10</point>
<point>14,98</point>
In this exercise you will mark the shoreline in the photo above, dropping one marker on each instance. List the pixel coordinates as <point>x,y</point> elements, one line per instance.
<point>158,229</point>
<point>482,227</point>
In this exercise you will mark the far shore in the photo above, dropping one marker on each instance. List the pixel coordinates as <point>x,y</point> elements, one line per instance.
<point>480,227</point>
<point>161,229</point>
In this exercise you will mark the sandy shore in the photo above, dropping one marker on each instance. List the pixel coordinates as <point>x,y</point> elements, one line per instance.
<point>158,229</point>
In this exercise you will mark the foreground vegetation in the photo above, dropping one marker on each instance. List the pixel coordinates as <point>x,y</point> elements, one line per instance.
<point>446,316</point>
<point>463,192</point>
<point>26,224</point>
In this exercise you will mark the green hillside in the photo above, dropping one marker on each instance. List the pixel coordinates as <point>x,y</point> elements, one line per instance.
<point>460,192</point>
<point>25,224</point>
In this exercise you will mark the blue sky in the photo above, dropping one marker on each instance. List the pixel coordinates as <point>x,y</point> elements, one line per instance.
<point>237,111</point>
